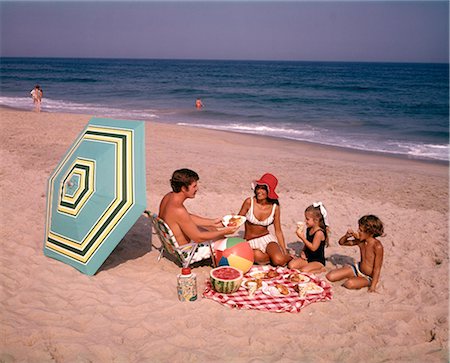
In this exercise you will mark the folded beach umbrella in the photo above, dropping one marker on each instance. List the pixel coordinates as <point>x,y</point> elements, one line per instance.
<point>96,193</point>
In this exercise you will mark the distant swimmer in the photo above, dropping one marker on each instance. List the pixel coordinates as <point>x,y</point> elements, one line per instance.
<point>36,95</point>
<point>198,103</point>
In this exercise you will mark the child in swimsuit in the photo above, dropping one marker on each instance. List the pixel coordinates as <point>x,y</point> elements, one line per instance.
<point>261,211</point>
<point>315,238</point>
<point>367,272</point>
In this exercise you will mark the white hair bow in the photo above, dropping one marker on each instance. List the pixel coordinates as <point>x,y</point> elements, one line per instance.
<point>323,211</point>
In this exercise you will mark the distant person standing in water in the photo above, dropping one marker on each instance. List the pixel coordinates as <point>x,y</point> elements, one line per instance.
<point>198,104</point>
<point>36,95</point>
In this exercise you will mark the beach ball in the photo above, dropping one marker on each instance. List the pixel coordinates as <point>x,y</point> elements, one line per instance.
<point>235,252</point>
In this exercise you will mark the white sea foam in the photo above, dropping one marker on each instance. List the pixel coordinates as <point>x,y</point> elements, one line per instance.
<point>259,130</point>
<point>325,137</point>
<point>51,105</point>
<point>440,152</point>
<point>301,133</point>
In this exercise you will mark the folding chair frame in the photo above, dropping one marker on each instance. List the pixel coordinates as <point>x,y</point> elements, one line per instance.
<point>183,253</point>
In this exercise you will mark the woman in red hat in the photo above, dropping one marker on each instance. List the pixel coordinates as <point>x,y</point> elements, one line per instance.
<point>261,211</point>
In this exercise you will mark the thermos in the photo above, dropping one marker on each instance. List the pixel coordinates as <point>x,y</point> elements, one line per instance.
<point>187,285</point>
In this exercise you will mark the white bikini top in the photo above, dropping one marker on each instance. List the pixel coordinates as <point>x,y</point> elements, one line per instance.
<point>253,220</point>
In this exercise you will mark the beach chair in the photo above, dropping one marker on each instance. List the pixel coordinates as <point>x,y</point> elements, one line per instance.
<point>186,254</point>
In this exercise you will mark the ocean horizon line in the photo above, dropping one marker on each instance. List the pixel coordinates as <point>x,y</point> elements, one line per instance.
<point>226,60</point>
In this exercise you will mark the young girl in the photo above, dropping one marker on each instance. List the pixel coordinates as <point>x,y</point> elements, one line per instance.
<point>312,258</point>
<point>367,272</point>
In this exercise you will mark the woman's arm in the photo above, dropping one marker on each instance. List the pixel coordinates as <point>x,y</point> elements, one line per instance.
<point>245,207</point>
<point>278,231</point>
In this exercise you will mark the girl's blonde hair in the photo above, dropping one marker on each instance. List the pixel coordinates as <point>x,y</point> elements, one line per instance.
<point>318,214</point>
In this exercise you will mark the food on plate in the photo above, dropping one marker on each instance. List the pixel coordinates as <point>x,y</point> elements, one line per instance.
<point>271,274</point>
<point>296,277</point>
<point>308,288</point>
<point>257,281</point>
<point>258,275</point>
<point>252,287</point>
<point>283,289</point>
<point>301,289</point>
<point>271,291</point>
<point>311,288</point>
<point>265,275</point>
<point>233,221</point>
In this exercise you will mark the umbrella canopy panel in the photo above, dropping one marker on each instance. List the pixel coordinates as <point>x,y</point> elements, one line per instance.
<point>96,193</point>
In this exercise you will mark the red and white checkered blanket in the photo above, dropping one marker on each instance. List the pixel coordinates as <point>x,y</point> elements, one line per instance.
<point>291,303</point>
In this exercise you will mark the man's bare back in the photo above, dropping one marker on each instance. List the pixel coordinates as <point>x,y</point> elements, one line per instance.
<point>171,211</point>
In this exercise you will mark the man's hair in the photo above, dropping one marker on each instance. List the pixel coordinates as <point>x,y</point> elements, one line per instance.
<point>372,225</point>
<point>182,178</point>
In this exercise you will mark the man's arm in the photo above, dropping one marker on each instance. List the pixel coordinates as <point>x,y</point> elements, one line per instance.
<point>206,222</point>
<point>190,229</point>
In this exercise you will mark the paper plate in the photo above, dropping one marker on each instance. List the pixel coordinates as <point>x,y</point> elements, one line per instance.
<point>303,279</point>
<point>262,274</point>
<point>244,284</point>
<point>227,218</point>
<point>272,291</point>
<point>312,288</point>
<point>257,274</point>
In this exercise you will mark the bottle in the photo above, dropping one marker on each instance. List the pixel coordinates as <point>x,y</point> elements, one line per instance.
<point>187,285</point>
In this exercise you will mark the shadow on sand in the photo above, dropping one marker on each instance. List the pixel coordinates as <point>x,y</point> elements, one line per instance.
<point>136,243</point>
<point>140,240</point>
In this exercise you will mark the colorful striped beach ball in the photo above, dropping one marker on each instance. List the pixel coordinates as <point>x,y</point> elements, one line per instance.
<point>235,252</point>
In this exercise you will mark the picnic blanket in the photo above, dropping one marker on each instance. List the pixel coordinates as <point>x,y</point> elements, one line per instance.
<point>292,303</point>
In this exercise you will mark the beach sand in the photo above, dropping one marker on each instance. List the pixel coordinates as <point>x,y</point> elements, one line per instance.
<point>129,311</point>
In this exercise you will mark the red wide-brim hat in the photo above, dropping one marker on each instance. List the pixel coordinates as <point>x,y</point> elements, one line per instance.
<point>270,181</point>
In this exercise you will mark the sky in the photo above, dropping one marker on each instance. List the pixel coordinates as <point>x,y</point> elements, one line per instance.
<point>390,31</point>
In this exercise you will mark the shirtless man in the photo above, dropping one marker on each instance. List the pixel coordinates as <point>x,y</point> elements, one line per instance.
<point>36,95</point>
<point>367,272</point>
<point>185,226</point>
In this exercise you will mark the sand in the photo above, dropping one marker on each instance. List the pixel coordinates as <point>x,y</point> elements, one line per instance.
<point>129,311</point>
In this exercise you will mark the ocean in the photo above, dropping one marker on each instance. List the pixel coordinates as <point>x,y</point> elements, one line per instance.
<point>394,108</point>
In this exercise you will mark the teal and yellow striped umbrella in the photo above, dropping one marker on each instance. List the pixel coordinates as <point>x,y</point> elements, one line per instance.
<point>96,193</point>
